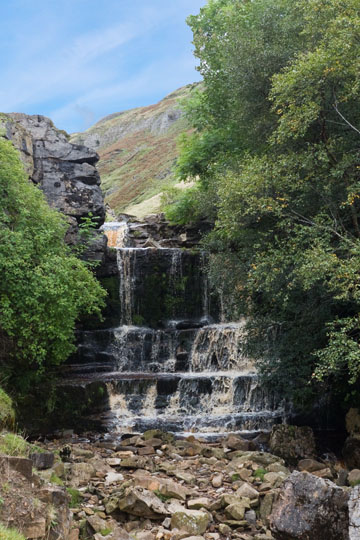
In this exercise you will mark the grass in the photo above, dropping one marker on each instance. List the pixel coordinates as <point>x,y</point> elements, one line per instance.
<point>56,480</point>
<point>76,497</point>
<point>7,413</point>
<point>10,534</point>
<point>12,444</point>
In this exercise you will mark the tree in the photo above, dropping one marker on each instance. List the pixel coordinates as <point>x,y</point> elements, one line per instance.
<point>44,288</point>
<point>281,87</point>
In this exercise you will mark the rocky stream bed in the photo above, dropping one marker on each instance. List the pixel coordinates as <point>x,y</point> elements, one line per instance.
<point>156,487</point>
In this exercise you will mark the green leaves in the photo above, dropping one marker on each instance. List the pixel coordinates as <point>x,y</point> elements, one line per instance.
<point>43,288</point>
<point>276,154</point>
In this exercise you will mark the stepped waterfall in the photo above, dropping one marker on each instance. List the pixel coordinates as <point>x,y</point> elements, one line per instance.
<point>169,363</point>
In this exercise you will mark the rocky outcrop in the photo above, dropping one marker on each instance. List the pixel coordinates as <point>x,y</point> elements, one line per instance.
<point>65,172</point>
<point>292,442</point>
<point>310,508</point>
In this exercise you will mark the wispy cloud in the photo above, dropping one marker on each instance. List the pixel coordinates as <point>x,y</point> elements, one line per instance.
<point>75,76</point>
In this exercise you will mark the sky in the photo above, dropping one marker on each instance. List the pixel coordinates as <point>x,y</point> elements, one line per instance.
<point>76,61</point>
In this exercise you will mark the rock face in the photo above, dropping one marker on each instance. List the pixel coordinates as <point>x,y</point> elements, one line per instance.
<point>354,514</point>
<point>292,442</point>
<point>310,508</point>
<point>65,172</point>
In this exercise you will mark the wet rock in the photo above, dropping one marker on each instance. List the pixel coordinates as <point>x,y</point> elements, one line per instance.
<point>310,508</point>
<point>354,514</point>
<point>292,442</point>
<point>194,522</point>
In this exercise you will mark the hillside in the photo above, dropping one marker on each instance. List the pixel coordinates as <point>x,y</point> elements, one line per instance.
<point>137,151</point>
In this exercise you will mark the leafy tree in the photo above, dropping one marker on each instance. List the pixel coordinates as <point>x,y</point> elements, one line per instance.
<point>281,98</point>
<point>44,288</point>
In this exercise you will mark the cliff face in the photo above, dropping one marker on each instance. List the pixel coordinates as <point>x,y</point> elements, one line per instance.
<point>65,172</point>
<point>137,149</point>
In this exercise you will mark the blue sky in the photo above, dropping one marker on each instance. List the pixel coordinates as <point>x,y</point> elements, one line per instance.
<point>79,60</point>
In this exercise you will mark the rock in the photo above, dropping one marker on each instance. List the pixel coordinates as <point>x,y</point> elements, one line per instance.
<point>166,487</point>
<point>225,529</point>
<point>292,442</point>
<point>262,459</point>
<point>143,503</point>
<point>351,453</point>
<point>37,528</point>
<point>42,460</point>
<point>310,508</point>
<point>217,481</point>
<point>250,517</point>
<point>324,473</point>
<point>74,534</point>
<point>113,478</point>
<point>236,510</point>
<point>353,423</point>
<point>354,477</point>
<point>354,514</point>
<point>113,462</point>
<point>96,523</point>
<point>266,505</point>
<point>200,502</point>
<point>21,465</point>
<point>192,521</point>
<point>310,465</point>
<point>81,473</point>
<point>237,443</point>
<point>275,479</point>
<point>246,490</point>
<point>64,171</point>
<point>58,498</point>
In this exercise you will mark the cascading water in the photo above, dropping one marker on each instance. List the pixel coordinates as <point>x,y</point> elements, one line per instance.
<point>168,365</point>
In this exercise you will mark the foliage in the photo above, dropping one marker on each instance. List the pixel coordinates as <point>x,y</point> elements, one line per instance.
<point>7,412</point>
<point>44,288</point>
<point>281,97</point>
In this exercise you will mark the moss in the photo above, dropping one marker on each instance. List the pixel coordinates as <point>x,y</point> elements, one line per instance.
<point>105,532</point>
<point>260,473</point>
<point>10,534</point>
<point>161,496</point>
<point>7,412</point>
<point>56,480</point>
<point>13,445</point>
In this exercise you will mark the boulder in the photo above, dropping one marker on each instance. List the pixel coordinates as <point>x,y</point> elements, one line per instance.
<point>194,522</point>
<point>354,514</point>
<point>310,465</point>
<point>42,460</point>
<point>292,442</point>
<point>310,508</point>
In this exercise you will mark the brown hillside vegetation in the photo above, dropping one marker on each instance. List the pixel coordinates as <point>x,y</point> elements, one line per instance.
<point>137,149</point>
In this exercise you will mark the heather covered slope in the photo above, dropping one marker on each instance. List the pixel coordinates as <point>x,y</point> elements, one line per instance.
<point>137,150</point>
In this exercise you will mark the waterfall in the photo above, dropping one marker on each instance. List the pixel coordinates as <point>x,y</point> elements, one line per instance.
<point>165,365</point>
